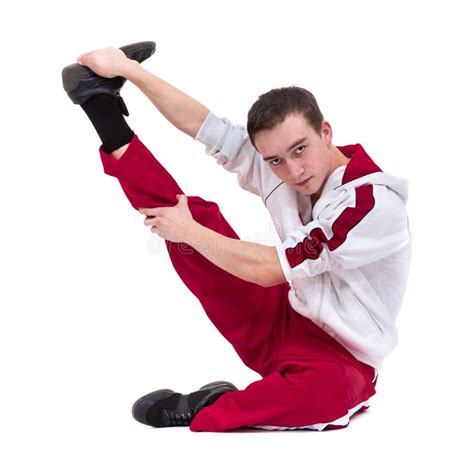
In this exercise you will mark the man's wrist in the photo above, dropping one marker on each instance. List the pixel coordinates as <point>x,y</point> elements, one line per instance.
<point>192,232</point>
<point>132,70</point>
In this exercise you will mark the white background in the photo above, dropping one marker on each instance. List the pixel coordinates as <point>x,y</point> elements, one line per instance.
<point>92,313</point>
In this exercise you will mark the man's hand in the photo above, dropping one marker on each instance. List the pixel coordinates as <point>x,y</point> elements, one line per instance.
<point>249,261</point>
<point>107,62</point>
<point>170,223</point>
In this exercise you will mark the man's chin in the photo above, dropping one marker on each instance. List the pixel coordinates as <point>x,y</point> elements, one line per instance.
<point>306,190</point>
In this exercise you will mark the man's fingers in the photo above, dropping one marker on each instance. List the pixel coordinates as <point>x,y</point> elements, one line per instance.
<point>84,59</point>
<point>155,217</point>
<point>150,221</point>
<point>152,212</point>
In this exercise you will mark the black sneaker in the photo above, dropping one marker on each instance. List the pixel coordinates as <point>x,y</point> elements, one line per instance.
<point>166,407</point>
<point>80,82</point>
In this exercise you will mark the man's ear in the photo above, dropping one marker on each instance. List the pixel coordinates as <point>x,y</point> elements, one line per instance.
<point>326,133</point>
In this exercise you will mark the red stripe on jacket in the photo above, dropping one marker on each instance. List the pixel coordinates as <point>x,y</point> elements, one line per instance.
<point>311,247</point>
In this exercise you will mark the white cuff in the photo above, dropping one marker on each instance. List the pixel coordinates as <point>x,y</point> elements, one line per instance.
<point>285,266</point>
<point>211,132</point>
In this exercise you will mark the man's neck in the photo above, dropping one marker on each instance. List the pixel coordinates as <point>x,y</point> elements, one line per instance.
<point>337,159</point>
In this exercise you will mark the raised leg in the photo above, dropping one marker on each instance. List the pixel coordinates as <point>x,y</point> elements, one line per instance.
<point>243,312</point>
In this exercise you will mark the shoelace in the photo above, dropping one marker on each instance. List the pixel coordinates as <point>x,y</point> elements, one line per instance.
<point>180,419</point>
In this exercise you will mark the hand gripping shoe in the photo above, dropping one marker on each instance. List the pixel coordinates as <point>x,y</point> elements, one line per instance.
<point>80,82</point>
<point>165,407</point>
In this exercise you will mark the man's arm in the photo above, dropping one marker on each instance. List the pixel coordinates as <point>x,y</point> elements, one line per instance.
<point>249,261</point>
<point>184,112</point>
<point>368,224</point>
<point>227,142</point>
<point>246,260</point>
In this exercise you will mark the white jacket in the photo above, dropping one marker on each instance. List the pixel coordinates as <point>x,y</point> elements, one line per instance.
<point>346,258</point>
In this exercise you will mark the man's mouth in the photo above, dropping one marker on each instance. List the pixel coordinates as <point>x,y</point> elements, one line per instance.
<point>303,183</point>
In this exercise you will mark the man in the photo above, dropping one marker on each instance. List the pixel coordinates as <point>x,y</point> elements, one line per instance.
<point>314,315</point>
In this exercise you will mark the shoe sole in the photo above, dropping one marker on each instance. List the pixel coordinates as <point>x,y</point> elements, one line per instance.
<point>74,74</point>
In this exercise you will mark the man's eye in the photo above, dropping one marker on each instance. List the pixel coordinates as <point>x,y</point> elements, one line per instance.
<point>272,162</point>
<point>302,146</point>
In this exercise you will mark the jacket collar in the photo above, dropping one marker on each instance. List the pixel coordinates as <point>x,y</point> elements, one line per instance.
<point>360,163</point>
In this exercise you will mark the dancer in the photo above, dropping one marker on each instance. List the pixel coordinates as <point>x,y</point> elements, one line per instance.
<point>313,315</point>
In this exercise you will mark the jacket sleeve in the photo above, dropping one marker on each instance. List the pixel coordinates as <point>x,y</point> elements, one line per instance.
<point>230,145</point>
<point>362,225</point>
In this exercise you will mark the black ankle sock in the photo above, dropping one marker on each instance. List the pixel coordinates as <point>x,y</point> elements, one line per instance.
<point>105,114</point>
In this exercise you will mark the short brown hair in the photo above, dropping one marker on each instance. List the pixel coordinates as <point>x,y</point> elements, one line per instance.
<point>273,107</point>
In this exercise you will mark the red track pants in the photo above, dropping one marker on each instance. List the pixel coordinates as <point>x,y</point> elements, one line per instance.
<point>308,378</point>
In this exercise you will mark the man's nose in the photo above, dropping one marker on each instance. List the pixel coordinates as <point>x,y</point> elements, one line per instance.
<point>295,171</point>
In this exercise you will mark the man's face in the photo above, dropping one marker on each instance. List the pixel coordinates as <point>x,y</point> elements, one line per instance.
<point>297,154</point>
